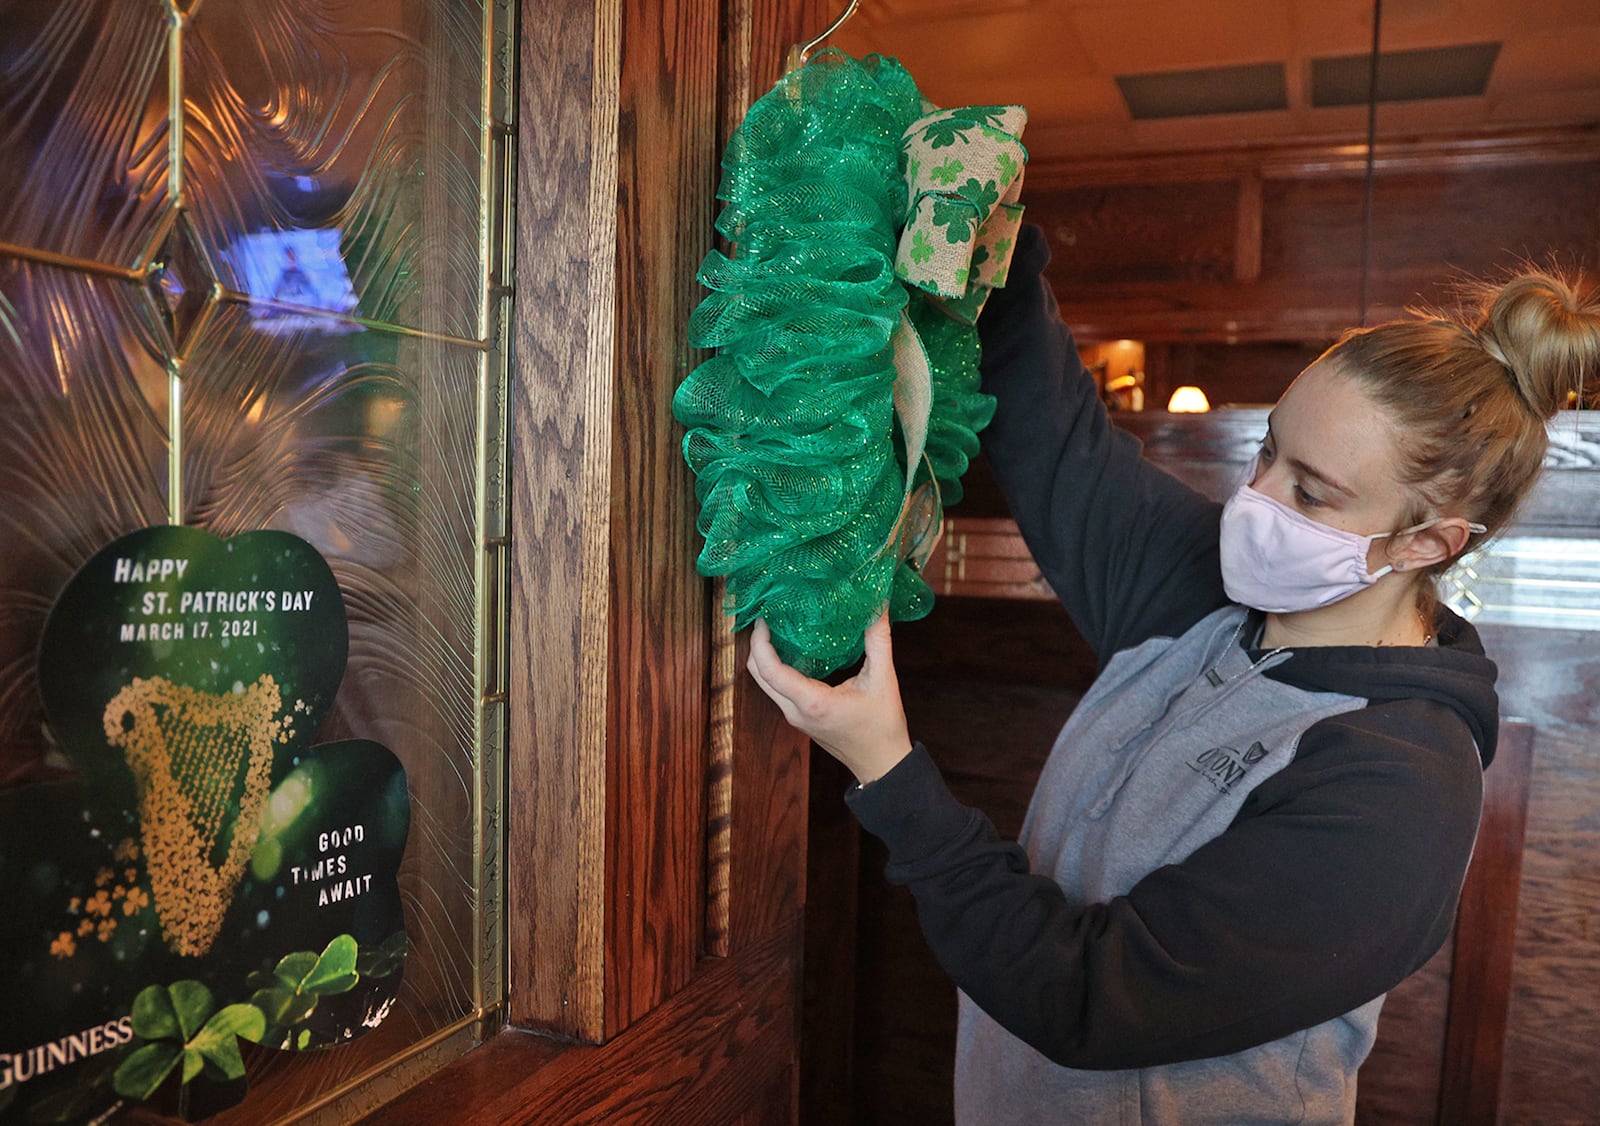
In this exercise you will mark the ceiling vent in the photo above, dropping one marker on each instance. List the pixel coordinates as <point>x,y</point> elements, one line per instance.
<point>1199,93</point>
<point>1404,76</point>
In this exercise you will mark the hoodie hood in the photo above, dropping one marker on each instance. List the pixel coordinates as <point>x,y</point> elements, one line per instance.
<point>1454,672</point>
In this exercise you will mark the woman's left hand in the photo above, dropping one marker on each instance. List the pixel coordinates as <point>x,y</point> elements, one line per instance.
<point>860,722</point>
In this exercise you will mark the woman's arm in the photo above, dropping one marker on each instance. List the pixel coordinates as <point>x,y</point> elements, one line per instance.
<point>1130,551</point>
<point>1338,879</point>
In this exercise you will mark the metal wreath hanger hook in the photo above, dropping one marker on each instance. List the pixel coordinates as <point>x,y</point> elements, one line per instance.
<point>799,54</point>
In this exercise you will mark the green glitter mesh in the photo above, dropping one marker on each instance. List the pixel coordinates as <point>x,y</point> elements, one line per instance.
<point>792,437</point>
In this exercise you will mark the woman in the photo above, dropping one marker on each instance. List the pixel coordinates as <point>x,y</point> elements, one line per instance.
<point>1258,819</point>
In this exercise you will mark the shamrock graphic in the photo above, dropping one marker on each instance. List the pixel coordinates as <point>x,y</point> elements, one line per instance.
<point>947,172</point>
<point>984,195</point>
<point>956,216</point>
<point>205,839</point>
<point>943,132</point>
<point>1006,167</point>
<point>980,255</point>
<point>181,1023</point>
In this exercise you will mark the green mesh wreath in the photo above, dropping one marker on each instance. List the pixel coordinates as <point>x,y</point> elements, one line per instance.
<point>838,201</point>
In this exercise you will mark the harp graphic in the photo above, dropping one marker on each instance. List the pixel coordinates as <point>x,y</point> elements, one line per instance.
<point>202,765</point>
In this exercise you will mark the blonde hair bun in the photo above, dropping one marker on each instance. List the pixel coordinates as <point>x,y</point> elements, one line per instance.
<point>1546,331</point>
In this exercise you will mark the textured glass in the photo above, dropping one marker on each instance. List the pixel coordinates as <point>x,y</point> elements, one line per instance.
<point>83,435</point>
<point>359,118</point>
<point>276,316</point>
<point>83,127</point>
<point>1539,582</point>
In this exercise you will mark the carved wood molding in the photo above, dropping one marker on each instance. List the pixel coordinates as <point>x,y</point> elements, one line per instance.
<point>621,766</point>
<point>561,404</point>
<point>1338,157</point>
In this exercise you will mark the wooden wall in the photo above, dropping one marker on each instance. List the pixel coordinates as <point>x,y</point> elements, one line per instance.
<point>1552,1050</point>
<point>655,828</point>
<point>1250,373</point>
<point>1236,268</point>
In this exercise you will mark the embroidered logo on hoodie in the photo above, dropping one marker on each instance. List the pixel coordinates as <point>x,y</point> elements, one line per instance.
<point>1223,767</point>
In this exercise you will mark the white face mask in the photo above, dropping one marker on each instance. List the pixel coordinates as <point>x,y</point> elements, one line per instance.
<point>1280,561</point>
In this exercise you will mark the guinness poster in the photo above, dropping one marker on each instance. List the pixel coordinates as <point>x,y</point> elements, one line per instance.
<point>209,884</point>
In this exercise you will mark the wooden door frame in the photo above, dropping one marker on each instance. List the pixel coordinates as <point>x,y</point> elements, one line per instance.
<point>656,801</point>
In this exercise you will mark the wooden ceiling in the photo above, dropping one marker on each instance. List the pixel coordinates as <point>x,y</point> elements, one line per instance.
<point>1061,58</point>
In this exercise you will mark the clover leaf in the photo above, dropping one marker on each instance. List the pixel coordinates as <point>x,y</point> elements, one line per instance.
<point>944,132</point>
<point>179,1024</point>
<point>956,217</point>
<point>218,1041</point>
<point>142,1072</point>
<point>299,979</point>
<point>947,172</point>
<point>1006,166</point>
<point>985,195</point>
<point>383,959</point>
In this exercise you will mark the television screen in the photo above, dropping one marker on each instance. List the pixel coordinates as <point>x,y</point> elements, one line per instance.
<point>294,278</point>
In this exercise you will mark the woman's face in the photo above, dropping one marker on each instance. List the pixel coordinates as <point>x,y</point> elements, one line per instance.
<point>1331,454</point>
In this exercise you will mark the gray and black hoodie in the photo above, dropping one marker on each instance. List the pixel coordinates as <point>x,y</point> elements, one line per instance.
<point>1231,854</point>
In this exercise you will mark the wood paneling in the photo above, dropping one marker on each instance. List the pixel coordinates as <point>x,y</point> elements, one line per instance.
<point>561,401</point>
<point>993,640</point>
<point>829,984</point>
<point>613,781</point>
<point>769,814</point>
<point>1486,925</point>
<point>987,684</point>
<point>1138,234</point>
<point>1477,222</point>
<point>657,713</point>
<point>709,1054</point>
<point>1174,261</point>
<point>779,1103</point>
<point>1463,152</point>
<point>1255,372</point>
<point>1247,228</point>
<point>985,559</point>
<point>1551,1071</point>
<point>724,671</point>
<point>1399,1083</point>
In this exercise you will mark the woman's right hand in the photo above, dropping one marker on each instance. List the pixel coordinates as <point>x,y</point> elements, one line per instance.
<point>861,722</point>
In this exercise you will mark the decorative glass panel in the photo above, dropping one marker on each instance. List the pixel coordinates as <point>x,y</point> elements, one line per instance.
<point>246,283</point>
<point>1541,582</point>
<point>83,127</point>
